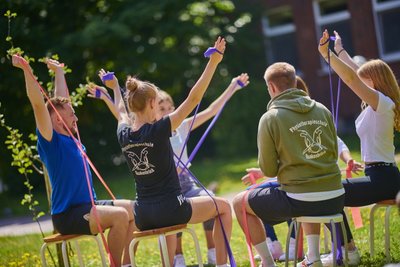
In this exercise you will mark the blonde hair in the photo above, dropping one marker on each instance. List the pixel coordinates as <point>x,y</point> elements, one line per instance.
<point>301,84</point>
<point>138,93</point>
<point>164,96</point>
<point>282,74</point>
<point>58,103</point>
<point>385,82</point>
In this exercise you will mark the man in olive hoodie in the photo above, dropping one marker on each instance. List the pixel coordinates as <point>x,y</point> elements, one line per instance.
<point>297,142</point>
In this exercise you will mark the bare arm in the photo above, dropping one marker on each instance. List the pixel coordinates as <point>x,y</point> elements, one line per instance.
<point>213,109</point>
<point>42,116</point>
<point>61,88</point>
<point>348,75</point>
<point>342,53</point>
<point>123,116</point>
<point>99,92</point>
<point>198,90</point>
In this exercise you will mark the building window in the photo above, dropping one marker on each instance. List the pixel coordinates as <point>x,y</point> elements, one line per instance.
<point>333,15</point>
<point>387,18</point>
<point>280,40</point>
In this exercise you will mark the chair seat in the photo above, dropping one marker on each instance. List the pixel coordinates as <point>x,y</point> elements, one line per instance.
<point>320,219</point>
<point>58,238</point>
<point>387,202</point>
<point>158,231</point>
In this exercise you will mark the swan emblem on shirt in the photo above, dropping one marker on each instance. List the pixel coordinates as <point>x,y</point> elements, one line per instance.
<point>140,163</point>
<point>313,143</point>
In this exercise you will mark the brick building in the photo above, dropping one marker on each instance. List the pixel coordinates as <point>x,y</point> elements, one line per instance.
<point>370,28</point>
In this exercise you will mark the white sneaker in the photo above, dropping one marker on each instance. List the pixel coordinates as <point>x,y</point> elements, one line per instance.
<point>179,261</point>
<point>211,257</point>
<point>354,258</point>
<point>306,263</point>
<point>292,245</point>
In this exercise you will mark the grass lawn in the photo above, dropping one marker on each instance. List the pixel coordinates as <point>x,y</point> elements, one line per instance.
<point>24,250</point>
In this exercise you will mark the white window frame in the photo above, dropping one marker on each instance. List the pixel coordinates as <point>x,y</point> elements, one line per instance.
<point>378,8</point>
<point>326,19</point>
<point>274,31</point>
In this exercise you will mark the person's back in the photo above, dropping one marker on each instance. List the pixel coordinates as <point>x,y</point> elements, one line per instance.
<point>302,133</point>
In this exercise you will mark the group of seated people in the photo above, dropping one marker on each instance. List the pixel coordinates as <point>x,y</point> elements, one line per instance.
<point>297,144</point>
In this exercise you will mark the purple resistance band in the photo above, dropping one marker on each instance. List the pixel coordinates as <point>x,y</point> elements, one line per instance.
<point>107,77</point>
<point>228,247</point>
<point>339,254</point>
<point>211,50</point>
<point>196,149</point>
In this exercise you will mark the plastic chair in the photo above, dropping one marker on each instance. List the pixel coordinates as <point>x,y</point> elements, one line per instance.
<point>388,204</point>
<point>64,239</point>
<point>332,219</point>
<point>161,233</point>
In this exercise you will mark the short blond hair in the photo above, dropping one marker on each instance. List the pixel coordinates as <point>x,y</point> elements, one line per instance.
<point>282,75</point>
<point>57,103</point>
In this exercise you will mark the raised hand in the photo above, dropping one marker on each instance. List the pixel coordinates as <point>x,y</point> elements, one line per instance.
<point>240,81</point>
<point>338,42</point>
<point>95,91</point>
<point>324,44</point>
<point>19,62</point>
<point>113,84</point>
<point>53,64</point>
<point>220,46</point>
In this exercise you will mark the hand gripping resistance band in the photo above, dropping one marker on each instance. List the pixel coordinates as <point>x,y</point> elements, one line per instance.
<point>211,50</point>
<point>84,156</point>
<point>99,92</point>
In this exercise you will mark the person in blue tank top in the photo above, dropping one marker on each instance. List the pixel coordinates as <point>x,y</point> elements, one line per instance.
<point>71,209</point>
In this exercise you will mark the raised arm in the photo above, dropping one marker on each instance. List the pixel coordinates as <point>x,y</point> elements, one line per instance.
<point>42,116</point>
<point>123,116</point>
<point>342,53</point>
<point>197,92</point>
<point>99,92</point>
<point>215,106</point>
<point>61,88</point>
<point>348,75</point>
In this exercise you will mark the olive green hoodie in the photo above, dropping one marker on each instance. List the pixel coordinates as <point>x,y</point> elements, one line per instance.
<point>297,142</point>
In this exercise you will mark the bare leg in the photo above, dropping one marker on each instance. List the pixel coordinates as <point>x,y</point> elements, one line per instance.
<point>128,205</point>
<point>209,239</point>
<point>256,228</point>
<point>116,219</point>
<point>203,208</point>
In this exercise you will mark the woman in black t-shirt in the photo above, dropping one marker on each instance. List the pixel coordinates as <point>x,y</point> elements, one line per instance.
<point>146,146</point>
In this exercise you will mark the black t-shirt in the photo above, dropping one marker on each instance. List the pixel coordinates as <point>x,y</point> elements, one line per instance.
<point>149,155</point>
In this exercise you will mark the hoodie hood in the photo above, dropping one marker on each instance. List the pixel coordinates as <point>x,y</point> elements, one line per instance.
<point>293,99</point>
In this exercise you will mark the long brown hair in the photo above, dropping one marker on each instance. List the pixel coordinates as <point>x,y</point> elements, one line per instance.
<point>139,92</point>
<point>385,82</point>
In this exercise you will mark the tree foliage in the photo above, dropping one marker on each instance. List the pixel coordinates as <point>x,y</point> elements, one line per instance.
<point>157,40</point>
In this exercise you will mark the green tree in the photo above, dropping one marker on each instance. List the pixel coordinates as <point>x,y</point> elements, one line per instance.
<point>160,41</point>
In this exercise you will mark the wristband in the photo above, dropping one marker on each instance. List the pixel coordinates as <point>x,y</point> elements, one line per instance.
<point>210,51</point>
<point>108,76</point>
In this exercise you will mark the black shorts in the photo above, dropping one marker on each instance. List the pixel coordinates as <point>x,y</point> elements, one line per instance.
<point>166,212</point>
<point>75,220</point>
<point>273,206</point>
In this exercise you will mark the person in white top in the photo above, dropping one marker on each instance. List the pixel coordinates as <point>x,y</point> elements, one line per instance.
<point>375,84</point>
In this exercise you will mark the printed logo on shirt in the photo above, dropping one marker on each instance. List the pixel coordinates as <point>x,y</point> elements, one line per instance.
<point>181,199</point>
<point>141,164</point>
<point>312,140</point>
